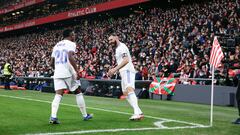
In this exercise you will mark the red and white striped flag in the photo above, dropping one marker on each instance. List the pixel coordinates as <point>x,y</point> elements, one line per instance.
<point>216,54</point>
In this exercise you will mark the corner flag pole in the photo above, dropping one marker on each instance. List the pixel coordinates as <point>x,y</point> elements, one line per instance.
<point>212,91</point>
<point>216,56</point>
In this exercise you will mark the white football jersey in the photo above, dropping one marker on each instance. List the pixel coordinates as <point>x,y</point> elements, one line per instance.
<point>120,51</point>
<point>63,68</point>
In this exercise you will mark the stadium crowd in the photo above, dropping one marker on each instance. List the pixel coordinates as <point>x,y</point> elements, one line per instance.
<point>161,41</point>
<point>51,7</point>
<point>7,3</point>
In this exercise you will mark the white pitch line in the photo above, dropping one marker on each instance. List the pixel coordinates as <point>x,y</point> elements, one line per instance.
<point>159,124</point>
<point>146,116</point>
<point>114,130</point>
<point>194,125</point>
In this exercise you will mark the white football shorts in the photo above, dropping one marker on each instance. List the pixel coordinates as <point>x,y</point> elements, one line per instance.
<point>66,83</point>
<point>128,79</point>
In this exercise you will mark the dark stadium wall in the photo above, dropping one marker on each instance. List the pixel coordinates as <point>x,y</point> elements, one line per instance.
<point>223,95</point>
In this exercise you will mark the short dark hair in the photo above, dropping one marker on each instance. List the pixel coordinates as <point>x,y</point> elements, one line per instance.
<point>67,32</point>
<point>112,32</point>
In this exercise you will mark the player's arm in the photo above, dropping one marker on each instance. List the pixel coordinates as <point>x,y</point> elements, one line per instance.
<point>121,65</point>
<point>72,60</point>
<point>52,61</point>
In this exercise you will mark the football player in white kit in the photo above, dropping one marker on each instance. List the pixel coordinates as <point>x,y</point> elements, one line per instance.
<point>127,72</point>
<point>65,75</point>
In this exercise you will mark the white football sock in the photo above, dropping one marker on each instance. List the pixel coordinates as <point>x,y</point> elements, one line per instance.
<point>129,101</point>
<point>81,104</point>
<point>55,104</point>
<point>133,101</point>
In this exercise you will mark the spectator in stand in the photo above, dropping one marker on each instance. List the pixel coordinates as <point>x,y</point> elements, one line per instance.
<point>43,10</point>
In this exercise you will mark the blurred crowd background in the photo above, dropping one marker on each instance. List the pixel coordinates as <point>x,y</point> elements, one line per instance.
<point>162,41</point>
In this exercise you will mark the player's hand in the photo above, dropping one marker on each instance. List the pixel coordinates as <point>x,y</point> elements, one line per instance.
<point>111,72</point>
<point>76,76</point>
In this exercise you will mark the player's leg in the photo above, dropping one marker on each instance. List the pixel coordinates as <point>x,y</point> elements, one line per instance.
<point>132,99</point>
<point>75,87</point>
<point>238,97</point>
<point>238,103</point>
<point>128,85</point>
<point>81,104</point>
<point>60,86</point>
<point>124,86</point>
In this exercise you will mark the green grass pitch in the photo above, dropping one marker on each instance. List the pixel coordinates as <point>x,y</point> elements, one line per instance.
<point>27,112</point>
